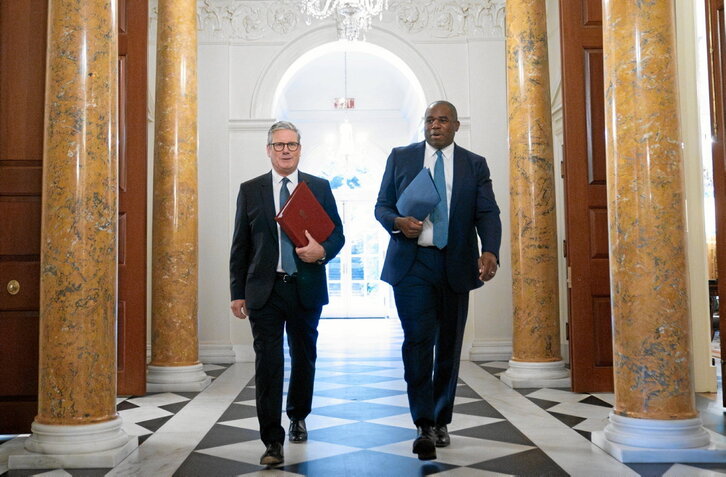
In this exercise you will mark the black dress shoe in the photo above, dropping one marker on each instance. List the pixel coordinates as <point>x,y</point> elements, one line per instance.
<point>424,445</point>
<point>273,455</point>
<point>298,431</point>
<point>442,436</point>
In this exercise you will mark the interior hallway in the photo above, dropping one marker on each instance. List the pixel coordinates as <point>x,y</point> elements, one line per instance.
<point>360,425</point>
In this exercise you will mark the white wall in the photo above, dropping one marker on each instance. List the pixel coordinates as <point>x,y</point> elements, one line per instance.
<point>456,53</point>
<point>686,35</point>
<point>555,68</point>
<point>490,311</point>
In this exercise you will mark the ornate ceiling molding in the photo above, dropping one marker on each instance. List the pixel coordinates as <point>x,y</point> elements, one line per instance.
<point>450,19</point>
<point>282,20</point>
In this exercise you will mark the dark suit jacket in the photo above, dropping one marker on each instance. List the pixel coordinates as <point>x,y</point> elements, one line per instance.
<point>473,211</point>
<point>255,245</point>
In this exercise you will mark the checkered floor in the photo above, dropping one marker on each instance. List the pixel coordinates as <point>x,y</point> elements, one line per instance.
<point>360,425</point>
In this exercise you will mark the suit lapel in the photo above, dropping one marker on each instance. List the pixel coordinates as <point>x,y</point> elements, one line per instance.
<point>268,202</point>
<point>302,177</point>
<point>418,157</point>
<point>421,155</point>
<point>459,178</point>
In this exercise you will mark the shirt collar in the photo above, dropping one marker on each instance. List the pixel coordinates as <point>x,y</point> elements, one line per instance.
<point>276,178</point>
<point>448,151</point>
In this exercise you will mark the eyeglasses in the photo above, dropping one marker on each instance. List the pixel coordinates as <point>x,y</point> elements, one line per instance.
<point>280,146</point>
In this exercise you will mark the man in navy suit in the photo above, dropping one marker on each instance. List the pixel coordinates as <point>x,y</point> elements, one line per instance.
<point>280,288</point>
<point>434,263</point>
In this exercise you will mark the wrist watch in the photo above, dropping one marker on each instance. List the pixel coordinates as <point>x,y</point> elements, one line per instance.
<point>322,260</point>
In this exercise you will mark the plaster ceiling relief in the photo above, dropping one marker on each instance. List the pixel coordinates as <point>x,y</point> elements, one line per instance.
<point>281,20</point>
<point>450,19</point>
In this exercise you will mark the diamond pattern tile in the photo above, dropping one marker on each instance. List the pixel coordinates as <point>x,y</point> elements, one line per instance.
<point>363,434</point>
<point>360,426</point>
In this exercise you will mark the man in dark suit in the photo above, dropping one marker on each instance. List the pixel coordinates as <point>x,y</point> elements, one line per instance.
<point>281,288</point>
<point>434,263</point>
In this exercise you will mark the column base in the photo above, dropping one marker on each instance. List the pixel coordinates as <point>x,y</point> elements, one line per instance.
<point>176,378</point>
<point>649,441</point>
<point>551,374</point>
<point>101,445</point>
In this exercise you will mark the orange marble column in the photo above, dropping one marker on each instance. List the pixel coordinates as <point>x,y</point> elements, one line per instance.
<point>654,393</point>
<point>174,334</point>
<point>78,257</point>
<point>536,358</point>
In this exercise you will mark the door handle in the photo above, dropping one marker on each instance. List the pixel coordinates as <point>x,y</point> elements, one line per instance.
<point>13,287</point>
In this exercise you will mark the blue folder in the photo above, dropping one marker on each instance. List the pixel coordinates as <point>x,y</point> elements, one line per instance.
<point>420,197</point>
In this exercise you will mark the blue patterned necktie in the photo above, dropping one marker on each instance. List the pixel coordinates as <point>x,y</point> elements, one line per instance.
<point>286,252</point>
<point>440,214</point>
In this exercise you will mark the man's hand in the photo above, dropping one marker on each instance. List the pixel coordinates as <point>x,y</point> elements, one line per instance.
<point>409,226</point>
<point>487,266</point>
<point>239,309</point>
<point>312,252</point>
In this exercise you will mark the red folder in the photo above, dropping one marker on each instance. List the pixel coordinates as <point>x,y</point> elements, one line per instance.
<point>302,212</point>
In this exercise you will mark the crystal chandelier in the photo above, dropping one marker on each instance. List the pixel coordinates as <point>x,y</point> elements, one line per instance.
<point>352,17</point>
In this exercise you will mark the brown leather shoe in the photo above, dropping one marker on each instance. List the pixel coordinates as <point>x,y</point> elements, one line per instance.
<point>442,436</point>
<point>424,445</point>
<point>298,431</point>
<point>273,455</point>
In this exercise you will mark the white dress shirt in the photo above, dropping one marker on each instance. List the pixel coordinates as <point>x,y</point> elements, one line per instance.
<point>426,238</point>
<point>276,187</point>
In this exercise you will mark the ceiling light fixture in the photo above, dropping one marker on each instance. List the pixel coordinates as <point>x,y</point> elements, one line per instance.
<point>352,17</point>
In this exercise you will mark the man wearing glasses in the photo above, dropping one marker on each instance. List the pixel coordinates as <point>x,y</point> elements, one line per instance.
<point>281,288</point>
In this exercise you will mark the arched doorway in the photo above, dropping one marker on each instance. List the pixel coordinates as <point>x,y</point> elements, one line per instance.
<point>348,146</point>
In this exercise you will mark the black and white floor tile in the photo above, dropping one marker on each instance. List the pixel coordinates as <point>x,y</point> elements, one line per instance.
<point>360,425</point>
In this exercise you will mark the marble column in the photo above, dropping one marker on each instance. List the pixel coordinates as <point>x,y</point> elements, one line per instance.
<point>536,359</point>
<point>78,256</point>
<point>175,362</point>
<point>654,418</point>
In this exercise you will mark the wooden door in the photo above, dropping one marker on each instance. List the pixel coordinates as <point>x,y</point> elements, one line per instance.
<point>590,329</point>
<point>22,87</point>
<point>22,90</point>
<point>716,30</point>
<point>132,45</point>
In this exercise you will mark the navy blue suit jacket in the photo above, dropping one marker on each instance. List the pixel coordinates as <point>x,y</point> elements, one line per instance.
<point>473,211</point>
<point>255,245</point>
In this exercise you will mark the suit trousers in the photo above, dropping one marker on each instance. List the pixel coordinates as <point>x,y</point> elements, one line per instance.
<point>433,318</point>
<point>283,312</point>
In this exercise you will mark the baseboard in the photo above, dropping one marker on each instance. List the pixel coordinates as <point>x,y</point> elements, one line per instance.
<point>216,354</point>
<point>491,350</point>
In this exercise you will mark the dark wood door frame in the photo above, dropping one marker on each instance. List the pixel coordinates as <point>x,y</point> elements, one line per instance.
<point>587,254</point>
<point>22,87</point>
<point>132,121</point>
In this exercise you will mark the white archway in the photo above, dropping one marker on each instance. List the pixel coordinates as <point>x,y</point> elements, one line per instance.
<point>417,96</point>
<point>389,102</point>
<point>265,90</point>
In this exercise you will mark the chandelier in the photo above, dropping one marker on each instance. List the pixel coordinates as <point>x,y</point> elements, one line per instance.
<point>352,17</point>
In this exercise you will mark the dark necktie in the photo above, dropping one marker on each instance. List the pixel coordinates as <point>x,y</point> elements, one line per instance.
<point>286,251</point>
<point>440,214</point>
